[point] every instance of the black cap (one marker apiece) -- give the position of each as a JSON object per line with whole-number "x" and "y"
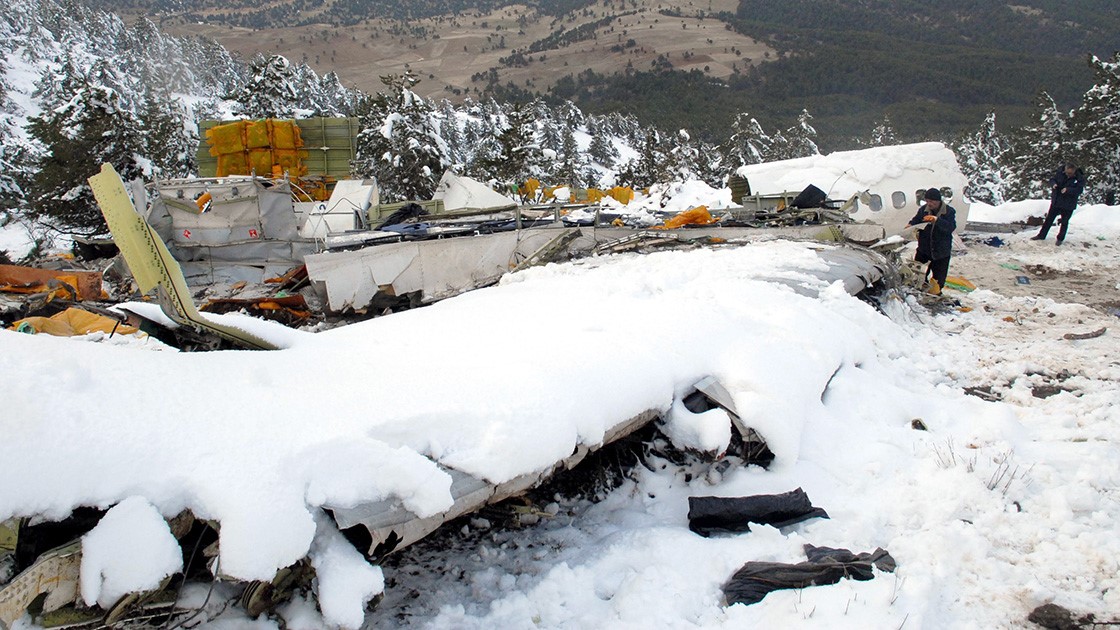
{"x": 933, "y": 194}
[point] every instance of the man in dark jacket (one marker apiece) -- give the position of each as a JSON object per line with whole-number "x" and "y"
{"x": 935, "y": 238}
{"x": 1067, "y": 185}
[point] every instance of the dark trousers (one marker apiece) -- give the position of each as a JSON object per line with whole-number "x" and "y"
{"x": 940, "y": 270}
{"x": 1054, "y": 213}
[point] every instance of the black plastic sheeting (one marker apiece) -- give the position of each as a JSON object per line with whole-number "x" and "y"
{"x": 407, "y": 211}
{"x": 825, "y": 565}
{"x": 811, "y": 197}
{"x": 713, "y": 515}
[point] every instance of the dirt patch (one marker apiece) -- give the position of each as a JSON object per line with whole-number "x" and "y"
{"x": 1083, "y": 271}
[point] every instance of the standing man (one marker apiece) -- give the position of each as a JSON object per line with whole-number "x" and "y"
{"x": 1067, "y": 185}
{"x": 935, "y": 238}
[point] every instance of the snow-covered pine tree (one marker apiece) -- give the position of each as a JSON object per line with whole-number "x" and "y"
{"x": 882, "y": 135}
{"x": 271, "y": 91}
{"x": 512, "y": 155}
{"x": 452, "y": 134}
{"x": 653, "y": 163}
{"x": 169, "y": 136}
{"x": 568, "y": 168}
{"x": 748, "y": 143}
{"x": 93, "y": 127}
{"x": 399, "y": 143}
{"x": 1036, "y": 150}
{"x": 602, "y": 149}
{"x": 795, "y": 142}
{"x": 981, "y": 156}
{"x": 338, "y": 99}
{"x": 1096, "y": 125}
{"x": 61, "y": 79}
{"x": 215, "y": 68}
{"x": 551, "y": 133}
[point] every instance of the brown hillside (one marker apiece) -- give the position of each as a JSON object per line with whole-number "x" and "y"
{"x": 446, "y": 52}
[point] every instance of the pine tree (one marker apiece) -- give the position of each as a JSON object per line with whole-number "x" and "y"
{"x": 569, "y": 167}
{"x": 1037, "y": 150}
{"x": 399, "y": 143}
{"x": 602, "y": 149}
{"x": 512, "y": 155}
{"x": 795, "y": 142}
{"x": 981, "y": 156}
{"x": 169, "y": 139}
{"x": 1097, "y": 128}
{"x": 883, "y": 134}
{"x": 92, "y": 128}
{"x": 271, "y": 90}
{"x": 748, "y": 143}
{"x": 652, "y": 165}
{"x": 338, "y": 99}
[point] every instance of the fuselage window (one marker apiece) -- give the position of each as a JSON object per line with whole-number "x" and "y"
{"x": 898, "y": 198}
{"x": 876, "y": 203}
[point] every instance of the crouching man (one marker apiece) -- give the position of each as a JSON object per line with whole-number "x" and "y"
{"x": 935, "y": 237}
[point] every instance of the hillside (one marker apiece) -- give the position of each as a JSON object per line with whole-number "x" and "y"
{"x": 934, "y": 68}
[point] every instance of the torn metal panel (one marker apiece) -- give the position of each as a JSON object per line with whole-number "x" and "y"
{"x": 249, "y": 222}
{"x": 54, "y": 574}
{"x": 441, "y": 268}
{"x": 151, "y": 263}
{"x": 392, "y": 527}
{"x": 437, "y": 269}
{"x": 346, "y": 209}
{"x": 459, "y": 192}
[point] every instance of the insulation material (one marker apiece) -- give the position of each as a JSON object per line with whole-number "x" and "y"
{"x": 71, "y": 323}
{"x": 266, "y": 147}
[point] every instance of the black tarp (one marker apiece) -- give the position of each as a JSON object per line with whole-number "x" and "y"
{"x": 825, "y": 565}
{"x": 408, "y": 211}
{"x": 710, "y": 515}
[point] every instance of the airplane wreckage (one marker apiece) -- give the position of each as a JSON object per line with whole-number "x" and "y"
{"x": 282, "y": 248}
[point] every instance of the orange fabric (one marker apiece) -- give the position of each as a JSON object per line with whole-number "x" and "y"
{"x": 622, "y": 194}
{"x": 696, "y": 216}
{"x": 73, "y": 322}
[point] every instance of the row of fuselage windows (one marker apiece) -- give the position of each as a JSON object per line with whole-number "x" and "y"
{"x": 899, "y": 200}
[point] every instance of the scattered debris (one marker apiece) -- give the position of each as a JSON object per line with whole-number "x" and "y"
{"x": 290, "y": 310}
{"x": 1054, "y": 617}
{"x": 825, "y": 565}
{"x": 1089, "y": 335}
{"x": 152, "y": 265}
{"x": 695, "y": 216}
{"x": 1022, "y": 279}
{"x": 67, "y": 284}
{"x": 918, "y": 425}
{"x": 983, "y": 393}
{"x": 716, "y": 515}
{"x": 959, "y": 283}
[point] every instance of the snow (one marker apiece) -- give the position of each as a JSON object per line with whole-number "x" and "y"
{"x": 16, "y": 239}
{"x": 130, "y": 549}
{"x": 1096, "y": 218}
{"x": 997, "y": 508}
{"x": 345, "y": 580}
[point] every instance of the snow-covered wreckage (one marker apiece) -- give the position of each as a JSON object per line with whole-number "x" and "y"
{"x": 348, "y": 465}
